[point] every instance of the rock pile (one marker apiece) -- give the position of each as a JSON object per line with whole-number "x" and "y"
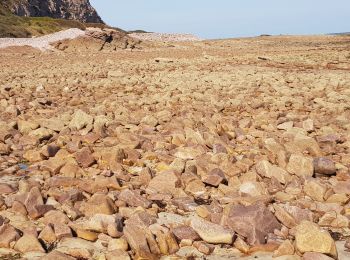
{"x": 99, "y": 39}
{"x": 182, "y": 153}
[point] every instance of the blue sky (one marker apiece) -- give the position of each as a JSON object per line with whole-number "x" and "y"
{"x": 228, "y": 18}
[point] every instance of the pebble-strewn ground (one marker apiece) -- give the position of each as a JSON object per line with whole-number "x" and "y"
{"x": 210, "y": 150}
{"x": 166, "y": 37}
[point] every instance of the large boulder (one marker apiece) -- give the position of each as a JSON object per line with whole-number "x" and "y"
{"x": 309, "y": 237}
{"x": 253, "y": 222}
{"x": 8, "y": 234}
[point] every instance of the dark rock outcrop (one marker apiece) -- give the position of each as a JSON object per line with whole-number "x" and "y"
{"x": 80, "y": 10}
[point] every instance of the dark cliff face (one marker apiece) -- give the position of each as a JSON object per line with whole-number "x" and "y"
{"x": 80, "y": 10}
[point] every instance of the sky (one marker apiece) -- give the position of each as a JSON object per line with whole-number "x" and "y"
{"x": 214, "y": 19}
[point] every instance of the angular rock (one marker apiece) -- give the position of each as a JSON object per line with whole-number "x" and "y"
{"x": 285, "y": 125}
{"x": 134, "y": 199}
{"x": 165, "y": 182}
{"x": 53, "y": 165}
{"x": 54, "y": 124}
{"x": 253, "y": 222}
{"x": 170, "y": 219}
{"x": 210, "y": 232}
{"x": 203, "y": 247}
{"x": 118, "y": 244}
{"x": 310, "y": 238}
{"x": 97, "y": 33}
{"x": 203, "y": 211}
{"x": 284, "y": 217}
{"x": 266, "y": 169}
{"x": 196, "y": 188}
{"x": 62, "y": 231}
{"x": 324, "y": 166}
{"x": 185, "y": 232}
{"x": 241, "y": 245}
{"x": 333, "y": 219}
{"x": 41, "y": 134}
{"x": 86, "y": 234}
{"x": 80, "y": 120}
{"x": 253, "y": 189}
{"x": 8, "y": 234}
{"x": 301, "y": 144}
{"x": 185, "y": 203}
{"x": 214, "y": 178}
{"x": 99, "y": 223}
{"x": 77, "y": 247}
{"x": 84, "y": 158}
{"x": 98, "y": 204}
{"x": 308, "y": 125}
{"x": 315, "y": 190}
{"x": 286, "y": 248}
{"x": 71, "y": 170}
{"x": 25, "y": 127}
{"x": 55, "y": 217}
{"x": 28, "y": 243}
{"x": 109, "y": 158}
{"x": 189, "y": 153}
{"x": 48, "y": 235}
{"x": 290, "y": 216}
{"x": 34, "y": 204}
{"x": 166, "y": 241}
{"x": 300, "y": 165}
{"x": 33, "y": 156}
{"x": 141, "y": 240}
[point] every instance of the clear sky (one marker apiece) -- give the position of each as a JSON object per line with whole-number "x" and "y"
{"x": 228, "y": 18}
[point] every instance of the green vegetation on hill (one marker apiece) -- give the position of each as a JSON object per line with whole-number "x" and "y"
{"x": 138, "y": 31}
{"x": 16, "y": 26}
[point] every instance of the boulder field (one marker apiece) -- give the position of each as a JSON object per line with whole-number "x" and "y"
{"x": 187, "y": 150}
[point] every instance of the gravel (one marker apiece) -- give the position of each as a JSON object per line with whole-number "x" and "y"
{"x": 166, "y": 37}
{"x": 43, "y": 42}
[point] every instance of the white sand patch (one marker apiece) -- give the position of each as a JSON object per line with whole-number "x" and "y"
{"x": 43, "y": 42}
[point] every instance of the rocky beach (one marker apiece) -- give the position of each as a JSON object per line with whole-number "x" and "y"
{"x": 114, "y": 148}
